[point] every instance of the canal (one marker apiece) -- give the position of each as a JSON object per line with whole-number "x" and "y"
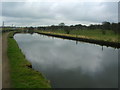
{"x": 70, "y": 64}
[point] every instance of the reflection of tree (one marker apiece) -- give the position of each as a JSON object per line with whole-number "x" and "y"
{"x": 31, "y": 30}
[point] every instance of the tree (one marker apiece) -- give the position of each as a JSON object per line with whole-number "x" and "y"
{"x": 106, "y": 25}
{"x": 118, "y": 28}
{"x": 114, "y": 27}
{"x": 61, "y": 24}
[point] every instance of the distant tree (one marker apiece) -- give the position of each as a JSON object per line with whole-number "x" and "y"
{"x": 52, "y": 25}
{"x": 31, "y": 28}
{"x": 61, "y": 24}
{"x": 106, "y": 25}
{"x": 78, "y": 26}
{"x": 91, "y": 26}
{"x": 71, "y": 26}
{"x": 114, "y": 27}
{"x": 118, "y": 28}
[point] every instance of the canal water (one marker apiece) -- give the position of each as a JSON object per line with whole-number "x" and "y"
{"x": 71, "y": 64}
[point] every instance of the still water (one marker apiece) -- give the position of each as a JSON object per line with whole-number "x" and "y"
{"x": 68, "y": 64}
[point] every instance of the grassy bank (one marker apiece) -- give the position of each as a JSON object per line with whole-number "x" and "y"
{"x": 21, "y": 75}
{"x": 109, "y": 35}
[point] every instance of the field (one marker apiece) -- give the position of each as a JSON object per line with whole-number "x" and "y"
{"x": 109, "y": 35}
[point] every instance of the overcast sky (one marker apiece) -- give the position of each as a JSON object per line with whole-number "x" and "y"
{"x": 44, "y": 12}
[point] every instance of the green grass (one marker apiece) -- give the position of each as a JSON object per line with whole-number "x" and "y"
{"x": 97, "y": 34}
{"x": 21, "y": 75}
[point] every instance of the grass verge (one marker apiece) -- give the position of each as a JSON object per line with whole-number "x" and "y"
{"x": 110, "y": 36}
{"x": 21, "y": 75}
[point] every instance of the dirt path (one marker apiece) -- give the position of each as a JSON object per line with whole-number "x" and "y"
{"x": 5, "y": 63}
{"x": 0, "y": 61}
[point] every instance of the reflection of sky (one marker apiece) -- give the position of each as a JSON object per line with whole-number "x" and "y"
{"x": 57, "y": 56}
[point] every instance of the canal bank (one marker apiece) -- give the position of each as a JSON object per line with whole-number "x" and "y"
{"x": 84, "y": 39}
{"x": 21, "y": 73}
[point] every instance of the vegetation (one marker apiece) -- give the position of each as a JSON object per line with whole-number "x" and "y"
{"x": 94, "y": 34}
{"x": 23, "y": 76}
{"x": 89, "y": 34}
{"x": 106, "y": 31}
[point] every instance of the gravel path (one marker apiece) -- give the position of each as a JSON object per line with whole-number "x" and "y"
{"x": 5, "y": 63}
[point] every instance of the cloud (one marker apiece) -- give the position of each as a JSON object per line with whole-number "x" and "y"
{"x": 60, "y": 0}
{"x": 47, "y": 13}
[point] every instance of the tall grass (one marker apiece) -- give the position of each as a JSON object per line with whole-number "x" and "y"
{"x": 90, "y": 34}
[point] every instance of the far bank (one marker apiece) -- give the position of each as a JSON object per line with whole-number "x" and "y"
{"x": 100, "y": 41}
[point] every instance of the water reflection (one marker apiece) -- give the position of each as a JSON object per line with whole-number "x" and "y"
{"x": 66, "y": 64}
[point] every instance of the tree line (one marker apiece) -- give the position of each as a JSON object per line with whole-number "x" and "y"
{"x": 115, "y": 27}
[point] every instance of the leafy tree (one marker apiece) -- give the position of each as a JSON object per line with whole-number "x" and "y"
{"x": 61, "y": 24}
{"x": 106, "y": 25}
{"x": 114, "y": 27}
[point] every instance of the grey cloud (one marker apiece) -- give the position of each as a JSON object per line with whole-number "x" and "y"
{"x": 94, "y": 12}
{"x": 28, "y": 10}
{"x": 47, "y": 13}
